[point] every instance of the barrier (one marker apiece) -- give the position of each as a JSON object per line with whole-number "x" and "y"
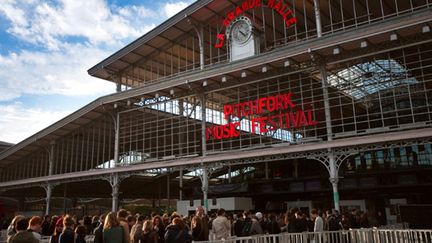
{"x": 345, "y": 236}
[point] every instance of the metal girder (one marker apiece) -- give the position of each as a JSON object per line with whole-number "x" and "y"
{"x": 339, "y": 146}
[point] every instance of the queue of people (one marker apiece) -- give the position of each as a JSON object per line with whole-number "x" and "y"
{"x": 123, "y": 227}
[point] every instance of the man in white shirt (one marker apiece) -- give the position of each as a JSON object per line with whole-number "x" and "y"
{"x": 319, "y": 223}
{"x": 221, "y": 226}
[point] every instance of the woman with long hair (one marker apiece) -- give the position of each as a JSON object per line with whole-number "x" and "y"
{"x": 57, "y": 230}
{"x": 149, "y": 235}
{"x": 197, "y": 229}
{"x": 11, "y": 230}
{"x": 112, "y": 231}
{"x": 159, "y": 227}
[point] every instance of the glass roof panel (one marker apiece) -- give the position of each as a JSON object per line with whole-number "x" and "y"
{"x": 367, "y": 78}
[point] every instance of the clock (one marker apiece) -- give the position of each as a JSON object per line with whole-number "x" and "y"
{"x": 241, "y": 30}
{"x": 242, "y": 38}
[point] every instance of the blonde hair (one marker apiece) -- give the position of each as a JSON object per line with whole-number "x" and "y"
{"x": 111, "y": 221}
{"x": 147, "y": 226}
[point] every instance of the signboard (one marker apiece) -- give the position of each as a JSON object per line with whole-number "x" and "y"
{"x": 277, "y": 5}
{"x": 289, "y": 116}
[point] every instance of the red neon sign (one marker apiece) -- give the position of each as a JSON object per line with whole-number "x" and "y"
{"x": 278, "y": 5}
{"x": 294, "y": 118}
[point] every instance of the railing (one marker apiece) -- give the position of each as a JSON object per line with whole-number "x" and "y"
{"x": 346, "y": 236}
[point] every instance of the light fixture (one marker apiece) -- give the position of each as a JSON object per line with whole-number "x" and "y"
{"x": 264, "y": 69}
{"x": 363, "y": 44}
{"x": 142, "y": 99}
{"x": 157, "y": 95}
{"x": 172, "y": 92}
{"x": 393, "y": 36}
{"x": 336, "y": 51}
{"x": 243, "y": 74}
{"x": 224, "y": 79}
{"x": 204, "y": 83}
{"x": 115, "y": 105}
{"x": 286, "y": 63}
{"x": 425, "y": 29}
{"x": 128, "y": 102}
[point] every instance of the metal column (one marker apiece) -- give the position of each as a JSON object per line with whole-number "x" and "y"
{"x": 181, "y": 185}
{"x": 48, "y": 190}
{"x": 204, "y": 178}
{"x": 317, "y": 18}
{"x": 333, "y": 171}
{"x": 114, "y": 180}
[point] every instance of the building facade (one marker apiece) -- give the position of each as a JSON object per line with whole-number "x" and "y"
{"x": 291, "y": 103}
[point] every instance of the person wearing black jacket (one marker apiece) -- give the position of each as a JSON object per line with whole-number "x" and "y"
{"x": 68, "y": 235}
{"x": 177, "y": 232}
{"x": 98, "y": 231}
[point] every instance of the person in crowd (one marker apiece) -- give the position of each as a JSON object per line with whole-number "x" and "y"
{"x": 149, "y": 235}
{"x": 273, "y": 225}
{"x": 87, "y": 223}
{"x": 98, "y": 232}
{"x": 121, "y": 216}
{"x": 95, "y": 222}
{"x": 345, "y": 221}
{"x": 221, "y": 227}
{"x": 47, "y": 230}
{"x": 354, "y": 219}
{"x": 177, "y": 232}
{"x": 159, "y": 228}
{"x": 199, "y": 211}
{"x": 256, "y": 228}
{"x": 54, "y": 219}
{"x": 68, "y": 235}
{"x": 57, "y": 230}
{"x": 237, "y": 225}
{"x": 247, "y": 224}
{"x": 22, "y": 235}
{"x": 331, "y": 223}
{"x": 302, "y": 225}
{"x": 364, "y": 220}
{"x": 381, "y": 219}
{"x": 319, "y": 223}
{"x": 112, "y": 231}
{"x": 80, "y": 232}
{"x": 35, "y": 225}
{"x": 197, "y": 229}
{"x": 131, "y": 220}
{"x": 11, "y": 230}
{"x": 137, "y": 229}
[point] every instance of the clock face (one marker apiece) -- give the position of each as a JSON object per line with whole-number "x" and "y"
{"x": 241, "y": 31}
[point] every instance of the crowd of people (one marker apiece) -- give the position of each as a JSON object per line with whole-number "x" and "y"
{"x": 123, "y": 227}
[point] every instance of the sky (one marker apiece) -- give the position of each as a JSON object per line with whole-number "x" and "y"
{"x": 47, "y": 46}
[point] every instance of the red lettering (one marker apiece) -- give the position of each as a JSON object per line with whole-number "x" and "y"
{"x": 302, "y": 119}
{"x": 251, "y": 4}
{"x": 220, "y": 40}
{"x": 262, "y": 125}
{"x": 233, "y": 131}
{"x": 254, "y": 124}
{"x": 227, "y": 111}
{"x": 294, "y": 119}
{"x": 277, "y": 7}
{"x": 245, "y": 6}
{"x": 311, "y": 121}
{"x": 226, "y": 22}
{"x": 281, "y": 12}
{"x": 231, "y": 15}
{"x": 261, "y": 104}
{"x": 285, "y": 15}
{"x": 271, "y": 103}
{"x": 238, "y": 11}
{"x": 270, "y": 3}
{"x": 257, "y": 3}
{"x": 290, "y": 21}
{"x": 286, "y": 99}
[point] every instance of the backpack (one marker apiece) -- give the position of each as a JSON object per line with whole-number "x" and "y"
{"x": 246, "y": 228}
